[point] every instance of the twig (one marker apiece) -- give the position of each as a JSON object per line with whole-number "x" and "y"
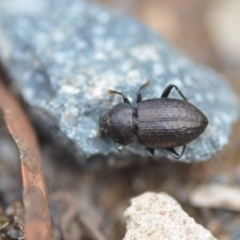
{"x": 37, "y": 220}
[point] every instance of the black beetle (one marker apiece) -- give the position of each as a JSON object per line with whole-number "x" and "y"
{"x": 157, "y": 123}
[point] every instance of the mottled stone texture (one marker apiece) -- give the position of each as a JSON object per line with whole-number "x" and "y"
{"x": 63, "y": 56}
{"x": 153, "y": 216}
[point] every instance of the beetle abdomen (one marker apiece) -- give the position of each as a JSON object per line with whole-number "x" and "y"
{"x": 167, "y": 122}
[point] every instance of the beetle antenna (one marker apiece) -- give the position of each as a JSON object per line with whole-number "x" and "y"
{"x": 139, "y": 95}
{"x": 147, "y": 83}
{"x": 125, "y": 99}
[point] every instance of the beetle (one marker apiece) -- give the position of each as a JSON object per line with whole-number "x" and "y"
{"x": 157, "y": 123}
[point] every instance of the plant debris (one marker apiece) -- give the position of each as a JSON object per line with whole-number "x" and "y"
{"x": 12, "y": 222}
{"x": 37, "y": 220}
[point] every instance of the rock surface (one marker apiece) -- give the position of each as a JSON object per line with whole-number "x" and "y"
{"x": 153, "y": 216}
{"x": 64, "y": 61}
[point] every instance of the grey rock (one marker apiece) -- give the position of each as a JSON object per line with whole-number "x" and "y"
{"x": 154, "y": 216}
{"x": 63, "y": 56}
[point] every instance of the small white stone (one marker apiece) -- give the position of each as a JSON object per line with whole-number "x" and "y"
{"x": 158, "y": 216}
{"x": 216, "y": 196}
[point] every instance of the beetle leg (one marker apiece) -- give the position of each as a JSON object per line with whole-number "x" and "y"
{"x": 125, "y": 99}
{"x": 174, "y": 153}
{"x": 150, "y": 151}
{"x": 168, "y": 90}
{"x": 139, "y": 95}
{"x": 119, "y": 146}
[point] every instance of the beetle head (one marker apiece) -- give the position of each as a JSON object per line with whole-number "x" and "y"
{"x": 118, "y": 123}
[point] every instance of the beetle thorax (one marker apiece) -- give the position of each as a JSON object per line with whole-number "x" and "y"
{"x": 118, "y": 123}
